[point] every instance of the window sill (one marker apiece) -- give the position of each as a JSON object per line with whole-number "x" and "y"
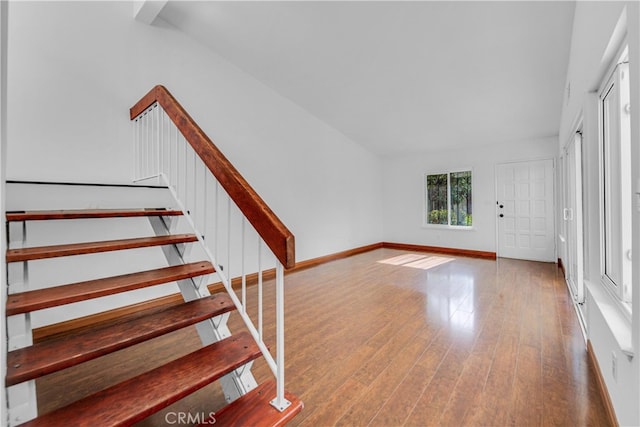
{"x": 615, "y": 316}
{"x": 447, "y": 227}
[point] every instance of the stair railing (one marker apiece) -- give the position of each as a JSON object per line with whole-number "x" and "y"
{"x": 240, "y": 233}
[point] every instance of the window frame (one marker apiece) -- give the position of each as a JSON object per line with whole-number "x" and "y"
{"x": 610, "y": 82}
{"x": 425, "y": 203}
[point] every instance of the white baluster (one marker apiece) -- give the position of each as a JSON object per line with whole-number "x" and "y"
{"x": 136, "y": 156}
{"x": 260, "y": 288}
{"x": 244, "y": 273}
{"x": 280, "y": 403}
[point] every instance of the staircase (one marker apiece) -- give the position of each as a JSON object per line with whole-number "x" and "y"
{"x": 145, "y": 394}
{"x": 179, "y": 232}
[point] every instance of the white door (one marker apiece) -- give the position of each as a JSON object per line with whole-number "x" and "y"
{"x": 525, "y": 210}
{"x": 572, "y": 215}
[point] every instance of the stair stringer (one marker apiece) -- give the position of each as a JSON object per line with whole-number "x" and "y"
{"x": 240, "y": 381}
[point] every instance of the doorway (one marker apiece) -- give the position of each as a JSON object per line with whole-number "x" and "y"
{"x": 524, "y": 210}
{"x": 572, "y": 216}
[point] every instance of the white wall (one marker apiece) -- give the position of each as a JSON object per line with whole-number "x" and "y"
{"x": 4, "y": 416}
{"x": 75, "y": 68}
{"x": 404, "y": 192}
{"x": 595, "y": 38}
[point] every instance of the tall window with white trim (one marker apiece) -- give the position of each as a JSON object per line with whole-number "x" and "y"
{"x": 615, "y": 179}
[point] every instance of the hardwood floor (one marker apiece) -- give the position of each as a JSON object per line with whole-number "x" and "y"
{"x": 464, "y": 342}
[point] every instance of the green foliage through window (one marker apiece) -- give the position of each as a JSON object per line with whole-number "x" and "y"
{"x": 449, "y": 199}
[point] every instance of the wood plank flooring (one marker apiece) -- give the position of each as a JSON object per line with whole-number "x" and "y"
{"x": 466, "y": 342}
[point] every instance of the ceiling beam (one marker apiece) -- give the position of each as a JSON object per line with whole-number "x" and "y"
{"x": 146, "y": 11}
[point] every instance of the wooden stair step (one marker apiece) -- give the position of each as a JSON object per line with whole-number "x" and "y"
{"x": 254, "y": 409}
{"x": 141, "y": 396}
{"x": 42, "y": 252}
{"x": 50, "y": 356}
{"x": 88, "y": 213}
{"x": 39, "y": 299}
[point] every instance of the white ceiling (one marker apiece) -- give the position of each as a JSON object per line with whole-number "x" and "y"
{"x": 401, "y": 76}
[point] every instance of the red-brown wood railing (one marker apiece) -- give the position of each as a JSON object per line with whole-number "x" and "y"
{"x": 274, "y": 233}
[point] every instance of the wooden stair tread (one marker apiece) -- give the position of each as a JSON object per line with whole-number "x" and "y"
{"x": 88, "y": 213}
{"x": 141, "y": 396}
{"x": 42, "y": 252}
{"x": 39, "y": 299}
{"x": 45, "y": 358}
{"x": 254, "y": 409}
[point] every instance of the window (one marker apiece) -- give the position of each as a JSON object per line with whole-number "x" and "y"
{"x": 448, "y": 199}
{"x": 615, "y": 179}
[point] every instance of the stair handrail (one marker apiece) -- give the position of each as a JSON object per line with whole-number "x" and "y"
{"x": 154, "y": 158}
{"x": 272, "y": 230}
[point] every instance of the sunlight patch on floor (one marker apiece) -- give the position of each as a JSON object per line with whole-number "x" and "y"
{"x": 402, "y": 259}
{"x": 422, "y": 262}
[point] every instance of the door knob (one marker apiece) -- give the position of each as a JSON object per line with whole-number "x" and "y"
{"x": 501, "y": 215}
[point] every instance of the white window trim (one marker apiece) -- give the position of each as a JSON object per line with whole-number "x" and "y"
{"x": 622, "y": 301}
{"x": 425, "y": 201}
